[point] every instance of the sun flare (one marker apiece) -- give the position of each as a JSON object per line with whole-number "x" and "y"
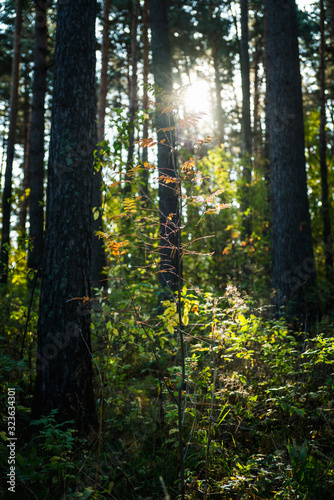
{"x": 198, "y": 98}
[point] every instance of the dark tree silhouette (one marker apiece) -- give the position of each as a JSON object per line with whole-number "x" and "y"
{"x": 64, "y": 370}
{"x": 293, "y": 267}
{"x": 7, "y": 192}
{"x": 168, "y": 200}
{"x": 36, "y": 214}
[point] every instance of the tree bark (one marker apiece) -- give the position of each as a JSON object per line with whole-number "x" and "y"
{"x": 293, "y": 267}
{"x": 26, "y": 162}
{"x": 145, "y": 175}
{"x": 322, "y": 150}
{"x": 98, "y": 275}
{"x": 246, "y": 130}
{"x": 218, "y": 91}
{"x": 257, "y": 132}
{"x": 7, "y": 192}
{"x": 168, "y": 199}
{"x": 133, "y": 89}
{"x": 64, "y": 368}
{"x": 36, "y": 212}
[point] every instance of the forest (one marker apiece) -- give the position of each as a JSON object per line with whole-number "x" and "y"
{"x": 166, "y": 263}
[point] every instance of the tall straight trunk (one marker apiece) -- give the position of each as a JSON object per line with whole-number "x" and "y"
{"x": 36, "y": 211}
{"x": 133, "y": 88}
{"x": 64, "y": 367}
{"x": 246, "y": 131}
{"x": 218, "y": 91}
{"x": 145, "y": 91}
{"x": 103, "y": 88}
{"x": 3, "y": 146}
{"x": 293, "y": 266}
{"x": 257, "y": 132}
{"x": 265, "y": 153}
{"x": 98, "y": 276}
{"x": 322, "y": 150}
{"x": 26, "y": 163}
{"x": 7, "y": 192}
{"x": 168, "y": 200}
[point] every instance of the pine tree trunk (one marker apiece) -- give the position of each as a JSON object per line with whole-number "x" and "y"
{"x": 322, "y": 150}
{"x": 36, "y": 212}
{"x": 98, "y": 275}
{"x": 133, "y": 91}
{"x": 64, "y": 367}
{"x": 293, "y": 266}
{"x": 7, "y": 192}
{"x": 218, "y": 90}
{"x": 257, "y": 132}
{"x": 246, "y": 130}
{"x": 26, "y": 163}
{"x": 168, "y": 200}
{"x": 145, "y": 175}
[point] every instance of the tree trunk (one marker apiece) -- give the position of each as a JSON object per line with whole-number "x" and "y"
{"x": 133, "y": 91}
{"x": 246, "y": 130}
{"x": 98, "y": 275}
{"x": 168, "y": 199}
{"x": 64, "y": 368}
{"x": 7, "y": 192}
{"x": 218, "y": 91}
{"x": 322, "y": 150}
{"x": 257, "y": 132}
{"x": 145, "y": 92}
{"x": 26, "y": 162}
{"x": 293, "y": 266}
{"x": 36, "y": 211}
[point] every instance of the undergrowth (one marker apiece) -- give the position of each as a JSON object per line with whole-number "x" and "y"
{"x": 202, "y": 389}
{"x": 258, "y": 412}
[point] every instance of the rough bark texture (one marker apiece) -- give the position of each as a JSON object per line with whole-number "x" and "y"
{"x": 36, "y": 213}
{"x": 168, "y": 199}
{"x": 64, "y": 369}
{"x": 322, "y": 150}
{"x": 293, "y": 267}
{"x": 98, "y": 276}
{"x": 7, "y": 192}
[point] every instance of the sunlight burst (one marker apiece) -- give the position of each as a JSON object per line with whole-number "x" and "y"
{"x": 198, "y": 98}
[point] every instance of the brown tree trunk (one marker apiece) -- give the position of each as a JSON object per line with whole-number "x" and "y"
{"x": 7, "y": 192}
{"x": 220, "y": 132}
{"x": 168, "y": 200}
{"x": 36, "y": 212}
{"x": 103, "y": 88}
{"x": 322, "y": 150}
{"x": 133, "y": 91}
{"x": 246, "y": 130}
{"x": 265, "y": 153}
{"x": 26, "y": 164}
{"x": 146, "y": 48}
{"x": 64, "y": 365}
{"x": 257, "y": 132}
{"x": 293, "y": 266}
{"x": 98, "y": 275}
